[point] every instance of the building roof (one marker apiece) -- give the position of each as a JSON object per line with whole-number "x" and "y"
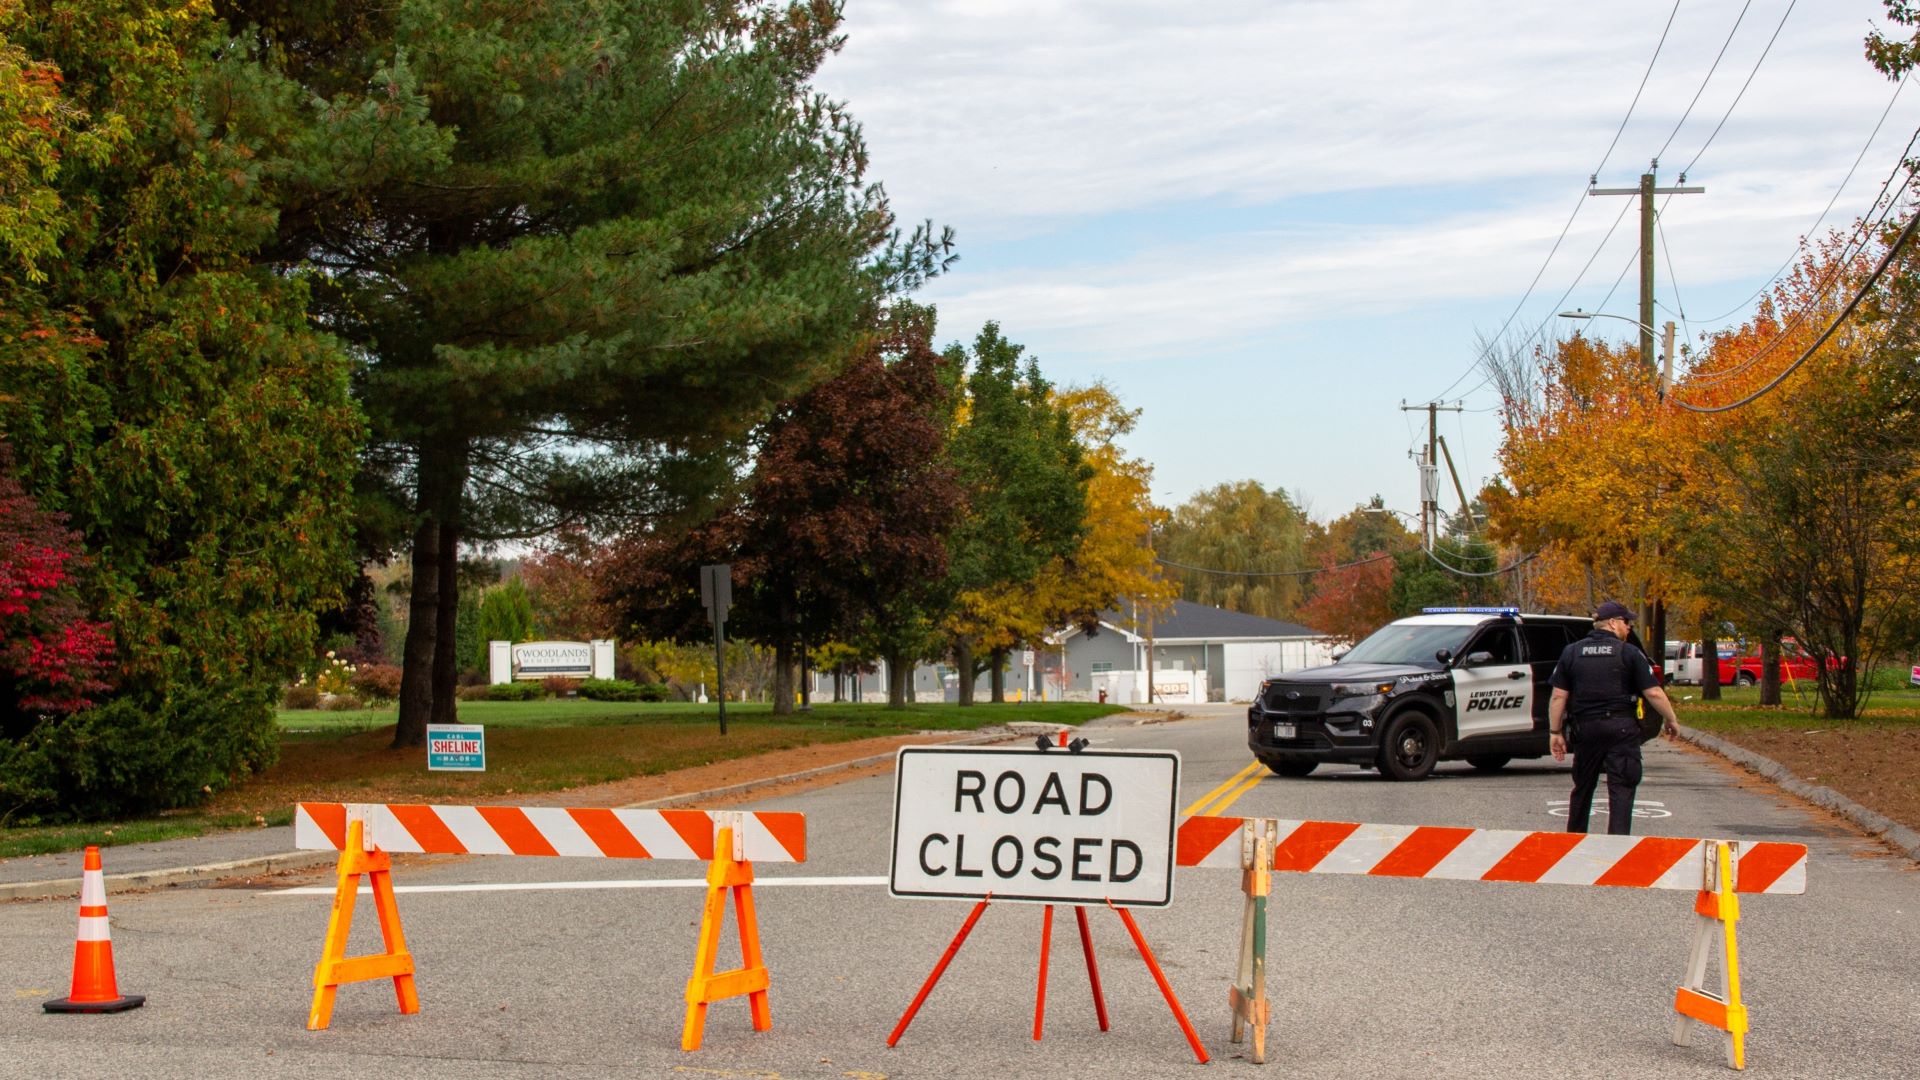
{"x": 1201, "y": 622}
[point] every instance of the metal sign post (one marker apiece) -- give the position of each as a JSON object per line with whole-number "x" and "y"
{"x": 716, "y": 595}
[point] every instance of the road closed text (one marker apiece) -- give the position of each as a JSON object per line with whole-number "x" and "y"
{"x": 1028, "y": 825}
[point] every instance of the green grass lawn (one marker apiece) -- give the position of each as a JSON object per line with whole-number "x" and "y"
{"x": 532, "y": 746}
{"x": 581, "y": 713}
{"x": 1739, "y": 709}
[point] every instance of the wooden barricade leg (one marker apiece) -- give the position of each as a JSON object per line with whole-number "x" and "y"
{"x": 728, "y": 873}
{"x": 335, "y": 967}
{"x": 1248, "y": 995}
{"x": 1716, "y": 911}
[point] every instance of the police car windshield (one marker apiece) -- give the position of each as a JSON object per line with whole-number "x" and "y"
{"x": 1407, "y": 643}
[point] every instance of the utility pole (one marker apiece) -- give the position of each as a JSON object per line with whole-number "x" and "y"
{"x": 1430, "y": 471}
{"x": 1657, "y": 616}
{"x": 1646, "y": 191}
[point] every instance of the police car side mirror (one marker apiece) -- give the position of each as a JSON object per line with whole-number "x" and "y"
{"x": 1477, "y": 658}
{"x": 1445, "y": 656}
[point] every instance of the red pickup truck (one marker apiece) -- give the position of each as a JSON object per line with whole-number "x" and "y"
{"x": 1684, "y": 664}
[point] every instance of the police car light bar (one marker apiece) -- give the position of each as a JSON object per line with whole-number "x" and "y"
{"x": 1508, "y": 611}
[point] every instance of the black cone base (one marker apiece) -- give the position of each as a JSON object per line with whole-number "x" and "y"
{"x": 111, "y": 1005}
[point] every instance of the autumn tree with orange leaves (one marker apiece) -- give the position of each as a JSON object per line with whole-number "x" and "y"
{"x": 1774, "y": 486}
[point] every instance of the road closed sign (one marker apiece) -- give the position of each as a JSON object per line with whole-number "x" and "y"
{"x": 1047, "y": 827}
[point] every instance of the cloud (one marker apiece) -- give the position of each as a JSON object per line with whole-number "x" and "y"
{"x": 998, "y": 117}
{"x": 1328, "y": 200}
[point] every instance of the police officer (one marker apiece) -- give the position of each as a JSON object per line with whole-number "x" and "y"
{"x": 1596, "y": 681}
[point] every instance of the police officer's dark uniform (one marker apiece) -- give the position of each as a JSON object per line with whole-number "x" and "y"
{"x": 1604, "y": 677}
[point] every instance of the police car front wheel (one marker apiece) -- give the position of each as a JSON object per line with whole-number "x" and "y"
{"x": 1410, "y": 748}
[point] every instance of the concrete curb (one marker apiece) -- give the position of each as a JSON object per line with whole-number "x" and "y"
{"x": 1878, "y": 825}
{"x": 301, "y": 860}
{"x": 205, "y": 873}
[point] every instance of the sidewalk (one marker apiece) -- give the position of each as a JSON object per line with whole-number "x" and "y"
{"x": 201, "y": 859}
{"x": 189, "y": 858}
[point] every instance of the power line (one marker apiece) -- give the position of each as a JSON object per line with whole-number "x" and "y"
{"x": 1660, "y": 213}
{"x": 1828, "y": 209}
{"x": 1743, "y": 86}
{"x": 1854, "y": 246}
{"x": 1560, "y": 304}
{"x": 1865, "y": 287}
{"x": 1538, "y": 274}
{"x": 1644, "y": 76}
{"x": 1507, "y": 569}
{"x": 1662, "y": 152}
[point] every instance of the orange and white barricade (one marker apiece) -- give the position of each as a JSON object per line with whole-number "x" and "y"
{"x": 1716, "y": 869}
{"x": 730, "y": 841}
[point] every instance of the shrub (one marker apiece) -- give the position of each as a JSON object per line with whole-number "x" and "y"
{"x": 654, "y": 691}
{"x": 335, "y": 676}
{"x": 377, "y": 682}
{"x": 53, "y": 659}
{"x": 1885, "y": 677}
{"x": 138, "y": 753}
{"x": 610, "y": 690}
{"x": 302, "y": 696}
{"x": 559, "y": 685}
{"x": 514, "y": 691}
{"x": 474, "y": 693}
{"x": 344, "y": 703}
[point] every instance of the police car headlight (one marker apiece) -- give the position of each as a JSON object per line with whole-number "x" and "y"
{"x": 1369, "y": 689}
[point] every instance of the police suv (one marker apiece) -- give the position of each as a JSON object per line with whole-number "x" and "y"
{"x": 1445, "y": 685}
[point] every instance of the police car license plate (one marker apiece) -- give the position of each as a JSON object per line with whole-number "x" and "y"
{"x": 1283, "y": 731}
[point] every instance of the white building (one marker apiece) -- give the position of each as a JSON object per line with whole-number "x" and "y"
{"x": 1200, "y": 653}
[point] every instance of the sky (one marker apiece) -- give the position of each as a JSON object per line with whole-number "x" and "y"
{"x": 1269, "y": 225}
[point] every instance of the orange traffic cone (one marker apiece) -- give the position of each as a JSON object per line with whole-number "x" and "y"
{"x": 94, "y": 990}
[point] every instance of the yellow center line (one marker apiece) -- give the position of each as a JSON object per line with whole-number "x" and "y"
{"x": 1234, "y": 795}
{"x": 1236, "y": 778}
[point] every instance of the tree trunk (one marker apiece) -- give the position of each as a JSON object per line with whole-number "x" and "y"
{"x": 963, "y": 664}
{"x": 783, "y": 676}
{"x": 1709, "y": 668}
{"x": 1839, "y": 688}
{"x": 999, "y": 678}
{"x": 423, "y": 610}
{"x": 434, "y": 606}
{"x": 1770, "y": 670}
{"x": 446, "y": 659}
{"x": 806, "y": 675}
{"x": 899, "y": 672}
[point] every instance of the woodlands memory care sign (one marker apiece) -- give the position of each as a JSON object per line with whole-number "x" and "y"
{"x": 1048, "y": 827}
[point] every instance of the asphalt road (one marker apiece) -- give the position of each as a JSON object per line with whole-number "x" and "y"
{"x": 1369, "y": 978}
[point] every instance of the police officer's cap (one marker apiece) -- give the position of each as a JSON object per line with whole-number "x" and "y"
{"x": 1612, "y": 609}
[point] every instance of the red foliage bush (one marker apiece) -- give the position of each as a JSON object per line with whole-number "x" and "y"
{"x": 52, "y": 658}
{"x": 559, "y": 685}
{"x": 377, "y": 682}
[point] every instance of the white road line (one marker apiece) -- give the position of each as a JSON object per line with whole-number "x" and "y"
{"x": 529, "y": 886}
